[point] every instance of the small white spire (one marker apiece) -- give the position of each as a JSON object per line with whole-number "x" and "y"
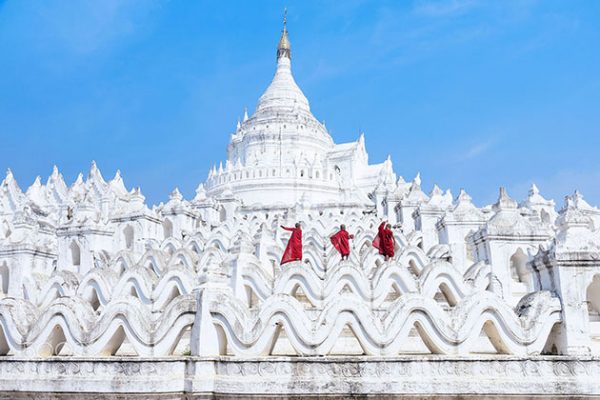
{"x": 463, "y": 196}
{"x": 417, "y": 180}
{"x": 448, "y": 196}
{"x": 95, "y": 174}
{"x": 505, "y": 201}
{"x": 200, "y": 193}
{"x": 137, "y": 192}
{"x": 176, "y": 194}
{"x": 533, "y": 190}
{"x": 436, "y": 191}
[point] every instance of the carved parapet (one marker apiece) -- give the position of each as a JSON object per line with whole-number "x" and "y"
{"x": 253, "y": 333}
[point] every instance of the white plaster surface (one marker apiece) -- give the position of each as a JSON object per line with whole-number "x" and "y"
{"x": 408, "y": 375}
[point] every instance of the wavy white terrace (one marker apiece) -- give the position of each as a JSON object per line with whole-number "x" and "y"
{"x": 89, "y": 270}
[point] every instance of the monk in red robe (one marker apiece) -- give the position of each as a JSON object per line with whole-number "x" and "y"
{"x": 293, "y": 251}
{"x": 384, "y": 241}
{"x": 341, "y": 242}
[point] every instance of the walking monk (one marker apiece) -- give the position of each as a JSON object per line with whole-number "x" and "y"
{"x": 293, "y": 251}
{"x": 384, "y": 241}
{"x": 341, "y": 241}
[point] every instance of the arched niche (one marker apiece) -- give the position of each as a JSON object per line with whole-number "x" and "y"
{"x": 519, "y": 271}
{"x": 4, "y": 277}
{"x": 167, "y": 227}
{"x": 75, "y": 252}
{"x": 128, "y": 236}
{"x": 5, "y": 229}
{"x": 593, "y": 305}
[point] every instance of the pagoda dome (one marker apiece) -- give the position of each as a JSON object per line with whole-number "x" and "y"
{"x": 283, "y": 108}
{"x": 283, "y": 96}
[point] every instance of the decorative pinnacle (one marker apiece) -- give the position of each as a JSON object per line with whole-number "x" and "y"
{"x": 284, "y": 49}
{"x": 176, "y": 194}
{"x": 533, "y": 190}
{"x": 463, "y": 196}
{"x": 504, "y": 201}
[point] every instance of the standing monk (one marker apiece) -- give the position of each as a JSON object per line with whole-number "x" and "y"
{"x": 384, "y": 241}
{"x": 341, "y": 241}
{"x": 293, "y": 251}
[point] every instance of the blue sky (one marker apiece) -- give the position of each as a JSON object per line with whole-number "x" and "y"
{"x": 471, "y": 93}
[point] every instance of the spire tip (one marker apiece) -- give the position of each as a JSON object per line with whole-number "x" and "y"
{"x": 284, "y": 48}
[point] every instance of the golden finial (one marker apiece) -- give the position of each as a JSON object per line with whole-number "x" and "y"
{"x": 284, "y": 48}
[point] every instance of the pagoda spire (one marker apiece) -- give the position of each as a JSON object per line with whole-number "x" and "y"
{"x": 284, "y": 48}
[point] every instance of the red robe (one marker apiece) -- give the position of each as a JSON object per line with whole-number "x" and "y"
{"x": 341, "y": 242}
{"x": 384, "y": 241}
{"x": 293, "y": 251}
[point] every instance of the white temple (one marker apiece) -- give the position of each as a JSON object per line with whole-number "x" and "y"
{"x": 100, "y": 293}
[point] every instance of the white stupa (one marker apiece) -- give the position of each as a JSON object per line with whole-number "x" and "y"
{"x": 283, "y": 155}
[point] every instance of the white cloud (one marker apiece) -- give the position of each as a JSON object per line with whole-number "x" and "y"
{"x": 563, "y": 183}
{"x": 477, "y": 149}
{"x": 77, "y": 27}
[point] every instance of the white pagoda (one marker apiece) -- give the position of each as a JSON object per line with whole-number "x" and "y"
{"x": 282, "y": 156}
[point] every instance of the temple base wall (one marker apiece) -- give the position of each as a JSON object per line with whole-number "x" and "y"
{"x": 190, "y": 377}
